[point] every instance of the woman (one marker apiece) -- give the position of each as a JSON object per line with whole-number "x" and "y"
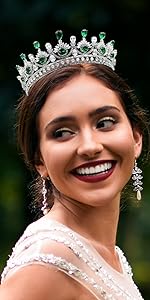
{"x": 80, "y": 129}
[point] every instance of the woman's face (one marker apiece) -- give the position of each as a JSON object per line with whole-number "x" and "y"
{"x": 87, "y": 144}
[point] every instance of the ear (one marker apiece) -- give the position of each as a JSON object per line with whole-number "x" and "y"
{"x": 40, "y": 166}
{"x": 138, "y": 141}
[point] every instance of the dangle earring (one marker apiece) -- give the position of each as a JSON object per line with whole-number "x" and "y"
{"x": 44, "y": 208}
{"x": 137, "y": 183}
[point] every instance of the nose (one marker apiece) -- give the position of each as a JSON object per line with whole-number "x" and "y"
{"x": 90, "y": 145}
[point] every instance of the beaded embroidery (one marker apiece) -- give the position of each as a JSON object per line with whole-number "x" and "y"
{"x": 62, "y": 234}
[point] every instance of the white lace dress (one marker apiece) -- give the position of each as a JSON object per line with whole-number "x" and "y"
{"x": 50, "y": 243}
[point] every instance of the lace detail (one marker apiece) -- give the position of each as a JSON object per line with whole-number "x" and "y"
{"x": 63, "y": 265}
{"x": 102, "y": 282}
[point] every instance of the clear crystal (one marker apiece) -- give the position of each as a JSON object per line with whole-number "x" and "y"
{"x": 48, "y": 47}
{"x": 94, "y": 40}
{"x": 18, "y": 68}
{"x": 94, "y": 52}
{"x": 112, "y": 42}
{"x": 52, "y": 58}
{"x": 115, "y": 53}
{"x": 31, "y": 57}
{"x": 74, "y": 52}
{"x": 73, "y": 39}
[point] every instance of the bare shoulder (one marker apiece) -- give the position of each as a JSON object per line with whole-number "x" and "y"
{"x": 37, "y": 282}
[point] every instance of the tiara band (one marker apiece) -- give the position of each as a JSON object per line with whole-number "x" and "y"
{"x": 64, "y": 54}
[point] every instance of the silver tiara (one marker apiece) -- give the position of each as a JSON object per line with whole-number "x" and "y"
{"x": 64, "y": 54}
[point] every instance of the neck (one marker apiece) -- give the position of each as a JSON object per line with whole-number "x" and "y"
{"x": 97, "y": 224}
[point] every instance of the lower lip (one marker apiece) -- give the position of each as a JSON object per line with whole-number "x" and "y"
{"x": 95, "y": 178}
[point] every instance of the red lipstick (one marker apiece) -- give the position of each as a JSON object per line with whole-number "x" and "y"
{"x": 97, "y": 177}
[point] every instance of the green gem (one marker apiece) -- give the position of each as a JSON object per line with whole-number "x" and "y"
{"x": 84, "y": 49}
{"x": 62, "y": 51}
{"x": 28, "y": 70}
{"x": 22, "y": 56}
{"x": 102, "y": 50}
{"x": 84, "y": 33}
{"x": 102, "y": 35}
{"x": 59, "y": 34}
{"x": 42, "y": 60}
{"x": 36, "y": 45}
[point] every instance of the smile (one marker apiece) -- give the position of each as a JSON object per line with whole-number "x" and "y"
{"x": 94, "y": 171}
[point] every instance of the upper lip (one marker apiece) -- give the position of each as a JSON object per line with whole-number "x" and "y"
{"x": 94, "y": 163}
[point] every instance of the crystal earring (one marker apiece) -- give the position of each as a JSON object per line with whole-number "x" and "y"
{"x": 137, "y": 183}
{"x": 44, "y": 208}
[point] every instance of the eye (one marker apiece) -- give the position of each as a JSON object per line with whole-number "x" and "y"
{"x": 106, "y": 123}
{"x": 62, "y": 133}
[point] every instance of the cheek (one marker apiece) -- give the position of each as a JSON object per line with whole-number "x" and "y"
{"x": 56, "y": 158}
{"x": 123, "y": 148}
{"x": 124, "y": 144}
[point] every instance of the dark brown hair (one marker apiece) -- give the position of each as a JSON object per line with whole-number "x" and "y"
{"x": 29, "y": 107}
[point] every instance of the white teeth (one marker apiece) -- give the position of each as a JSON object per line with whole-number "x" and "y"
{"x": 94, "y": 170}
{"x": 97, "y": 169}
{"x": 87, "y": 171}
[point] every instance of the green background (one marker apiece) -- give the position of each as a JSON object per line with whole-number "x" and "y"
{"x": 22, "y": 22}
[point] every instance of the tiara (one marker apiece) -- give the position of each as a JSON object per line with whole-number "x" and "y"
{"x": 64, "y": 54}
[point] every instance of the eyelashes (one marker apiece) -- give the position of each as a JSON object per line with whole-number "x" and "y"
{"x": 62, "y": 133}
{"x": 103, "y": 124}
{"x": 106, "y": 122}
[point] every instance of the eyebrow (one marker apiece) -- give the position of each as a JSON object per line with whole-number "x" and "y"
{"x": 70, "y": 118}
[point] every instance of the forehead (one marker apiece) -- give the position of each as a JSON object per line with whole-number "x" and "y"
{"x": 81, "y": 94}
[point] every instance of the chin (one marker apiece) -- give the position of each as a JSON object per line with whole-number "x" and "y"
{"x": 98, "y": 199}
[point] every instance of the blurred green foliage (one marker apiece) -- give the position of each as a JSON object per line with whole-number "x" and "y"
{"x": 22, "y": 22}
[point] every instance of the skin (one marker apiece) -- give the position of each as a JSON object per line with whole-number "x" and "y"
{"x": 91, "y": 209}
{"x": 87, "y": 139}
